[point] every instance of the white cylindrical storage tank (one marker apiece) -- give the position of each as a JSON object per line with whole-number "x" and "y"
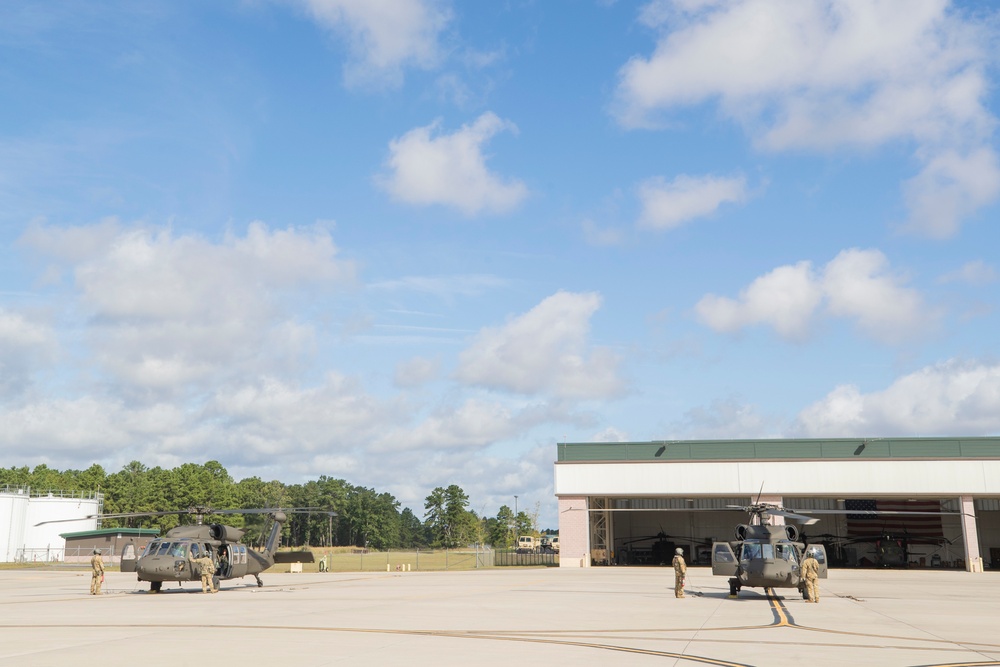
{"x": 43, "y": 543}
{"x": 13, "y": 515}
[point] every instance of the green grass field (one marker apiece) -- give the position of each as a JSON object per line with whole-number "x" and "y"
{"x": 345, "y": 559}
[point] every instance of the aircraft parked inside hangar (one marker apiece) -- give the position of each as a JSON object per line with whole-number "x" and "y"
{"x": 767, "y": 556}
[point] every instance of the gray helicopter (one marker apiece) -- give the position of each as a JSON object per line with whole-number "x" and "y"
{"x": 766, "y": 556}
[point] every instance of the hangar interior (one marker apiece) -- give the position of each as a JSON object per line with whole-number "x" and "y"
{"x": 645, "y": 531}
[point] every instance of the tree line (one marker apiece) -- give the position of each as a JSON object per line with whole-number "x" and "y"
{"x": 338, "y": 513}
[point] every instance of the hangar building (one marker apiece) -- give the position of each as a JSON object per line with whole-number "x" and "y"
{"x": 630, "y": 503}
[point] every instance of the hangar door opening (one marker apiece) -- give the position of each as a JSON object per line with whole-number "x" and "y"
{"x": 646, "y": 531}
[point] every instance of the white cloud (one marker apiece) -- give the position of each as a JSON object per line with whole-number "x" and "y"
{"x": 24, "y": 346}
{"x": 669, "y": 205}
{"x": 450, "y": 169}
{"x": 951, "y": 398}
{"x": 384, "y": 36}
{"x": 610, "y": 434}
{"x": 823, "y": 75}
{"x": 856, "y": 285}
{"x": 601, "y": 237}
{"x": 976, "y": 272}
{"x": 544, "y": 350}
{"x": 472, "y": 425}
{"x": 726, "y": 419}
{"x": 415, "y": 372}
{"x": 444, "y": 287}
{"x": 785, "y": 298}
{"x": 169, "y": 309}
{"x": 949, "y": 188}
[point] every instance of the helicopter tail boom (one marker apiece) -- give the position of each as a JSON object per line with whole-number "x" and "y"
{"x": 274, "y": 537}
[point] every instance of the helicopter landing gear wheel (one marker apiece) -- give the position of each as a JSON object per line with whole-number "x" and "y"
{"x": 215, "y": 583}
{"x": 260, "y": 584}
{"x": 155, "y": 586}
{"x": 805, "y": 594}
{"x": 734, "y": 588}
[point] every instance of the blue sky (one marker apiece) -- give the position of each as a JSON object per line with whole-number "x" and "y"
{"x": 419, "y": 242}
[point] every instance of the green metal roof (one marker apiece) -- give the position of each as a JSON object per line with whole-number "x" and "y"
{"x": 852, "y": 449}
{"x": 136, "y": 532}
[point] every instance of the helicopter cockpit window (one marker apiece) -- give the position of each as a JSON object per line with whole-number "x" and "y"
{"x": 723, "y": 554}
{"x": 750, "y": 551}
{"x": 164, "y": 547}
{"x": 195, "y": 551}
{"x": 767, "y": 551}
{"x": 178, "y": 550}
{"x": 151, "y": 548}
{"x": 786, "y": 552}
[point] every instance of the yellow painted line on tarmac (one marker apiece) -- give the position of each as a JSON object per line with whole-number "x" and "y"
{"x": 781, "y": 617}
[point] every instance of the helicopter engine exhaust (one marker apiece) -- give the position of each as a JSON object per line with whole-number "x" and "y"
{"x": 226, "y": 533}
{"x": 741, "y": 532}
{"x": 792, "y": 532}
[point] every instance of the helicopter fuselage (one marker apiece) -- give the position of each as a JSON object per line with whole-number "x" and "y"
{"x": 172, "y": 557}
{"x": 764, "y": 557}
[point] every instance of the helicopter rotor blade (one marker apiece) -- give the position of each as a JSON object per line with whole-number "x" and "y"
{"x": 198, "y": 511}
{"x": 807, "y": 520}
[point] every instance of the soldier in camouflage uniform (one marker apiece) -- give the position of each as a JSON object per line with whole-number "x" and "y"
{"x": 97, "y": 576}
{"x": 810, "y": 576}
{"x": 207, "y": 570}
{"x": 680, "y": 570}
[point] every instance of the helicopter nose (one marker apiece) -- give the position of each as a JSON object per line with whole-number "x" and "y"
{"x": 160, "y": 567}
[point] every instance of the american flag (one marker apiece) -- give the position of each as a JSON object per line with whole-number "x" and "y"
{"x": 864, "y": 524}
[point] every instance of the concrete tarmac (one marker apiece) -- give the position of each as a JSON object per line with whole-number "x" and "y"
{"x": 501, "y": 617}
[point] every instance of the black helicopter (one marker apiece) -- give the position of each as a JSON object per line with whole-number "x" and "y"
{"x": 766, "y": 556}
{"x": 892, "y": 550}
{"x": 660, "y": 552}
{"x": 169, "y": 558}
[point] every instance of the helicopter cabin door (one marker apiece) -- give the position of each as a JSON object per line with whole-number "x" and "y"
{"x": 819, "y": 553}
{"x": 724, "y": 560}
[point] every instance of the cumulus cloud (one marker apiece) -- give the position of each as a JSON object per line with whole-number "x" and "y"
{"x": 856, "y": 285}
{"x": 426, "y": 167}
{"x": 823, "y": 75}
{"x": 785, "y": 298}
{"x": 473, "y": 424}
{"x": 955, "y": 397}
{"x": 171, "y": 309}
{"x": 666, "y": 205}
{"x": 951, "y": 187}
{"x": 384, "y": 36}
{"x": 24, "y": 346}
{"x": 544, "y": 351}
{"x": 727, "y": 419}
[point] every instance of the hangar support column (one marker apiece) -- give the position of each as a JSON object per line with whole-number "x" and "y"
{"x": 574, "y": 532}
{"x": 970, "y": 535}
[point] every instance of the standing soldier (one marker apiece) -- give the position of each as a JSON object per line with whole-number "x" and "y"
{"x": 97, "y": 576}
{"x": 680, "y": 569}
{"x": 207, "y": 570}
{"x": 810, "y": 576}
